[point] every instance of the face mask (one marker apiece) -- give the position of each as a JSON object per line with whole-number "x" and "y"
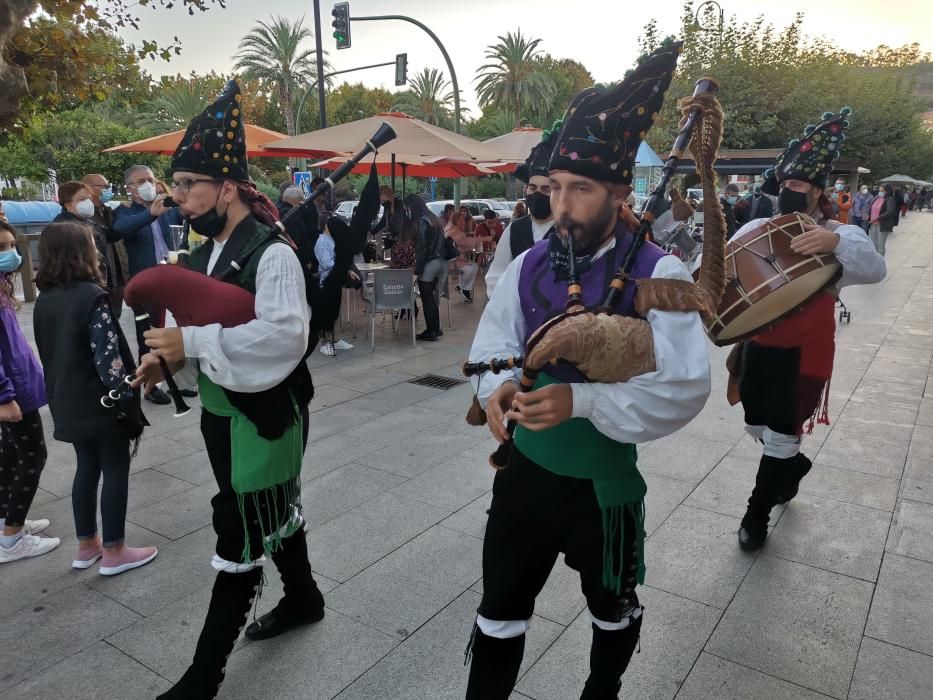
{"x": 106, "y": 196}
{"x": 840, "y": 187}
{"x": 864, "y": 190}
{"x": 539, "y": 205}
{"x": 146, "y": 192}
{"x": 790, "y": 201}
{"x": 85, "y": 209}
{"x": 881, "y": 193}
{"x": 211, "y": 223}
{"x": 732, "y": 199}
{"x": 10, "y": 260}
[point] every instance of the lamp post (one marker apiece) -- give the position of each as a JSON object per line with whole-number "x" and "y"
{"x": 696, "y": 18}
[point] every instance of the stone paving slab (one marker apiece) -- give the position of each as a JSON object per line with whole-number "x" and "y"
{"x": 396, "y": 486}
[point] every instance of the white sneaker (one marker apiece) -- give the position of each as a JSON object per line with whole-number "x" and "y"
{"x": 28, "y": 546}
{"x": 328, "y": 349}
{"x": 34, "y": 527}
{"x": 342, "y": 345}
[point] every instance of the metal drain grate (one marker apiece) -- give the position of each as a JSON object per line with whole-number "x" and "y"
{"x": 436, "y": 382}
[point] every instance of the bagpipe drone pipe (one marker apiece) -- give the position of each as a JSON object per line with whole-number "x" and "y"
{"x": 195, "y": 299}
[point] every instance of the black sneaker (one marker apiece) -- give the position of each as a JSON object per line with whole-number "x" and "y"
{"x": 427, "y": 335}
{"x": 159, "y": 397}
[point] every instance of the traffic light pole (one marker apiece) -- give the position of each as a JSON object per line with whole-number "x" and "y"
{"x": 450, "y": 67}
{"x": 320, "y": 65}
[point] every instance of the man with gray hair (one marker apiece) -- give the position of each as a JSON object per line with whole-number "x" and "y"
{"x": 299, "y": 227}
{"x": 144, "y": 225}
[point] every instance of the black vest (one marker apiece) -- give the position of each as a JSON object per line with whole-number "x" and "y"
{"x": 61, "y": 319}
{"x": 271, "y": 411}
{"x": 520, "y": 236}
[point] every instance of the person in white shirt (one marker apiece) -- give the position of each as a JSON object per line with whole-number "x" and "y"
{"x": 254, "y": 387}
{"x": 571, "y": 484}
{"x": 524, "y": 232}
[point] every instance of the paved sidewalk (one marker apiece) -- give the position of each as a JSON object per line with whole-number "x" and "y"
{"x": 838, "y": 603}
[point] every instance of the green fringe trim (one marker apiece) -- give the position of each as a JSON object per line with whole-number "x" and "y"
{"x": 278, "y": 510}
{"x": 614, "y": 544}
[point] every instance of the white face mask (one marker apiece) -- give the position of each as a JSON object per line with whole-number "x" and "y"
{"x": 864, "y": 190}
{"x": 85, "y": 209}
{"x": 146, "y": 192}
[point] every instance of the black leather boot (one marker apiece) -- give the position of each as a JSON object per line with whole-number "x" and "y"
{"x": 495, "y": 665}
{"x": 768, "y": 482}
{"x": 610, "y": 654}
{"x": 231, "y": 601}
{"x": 302, "y": 603}
{"x": 797, "y": 468}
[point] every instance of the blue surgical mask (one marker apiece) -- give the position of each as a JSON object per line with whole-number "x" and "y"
{"x": 106, "y": 196}
{"x": 10, "y": 260}
{"x": 732, "y": 199}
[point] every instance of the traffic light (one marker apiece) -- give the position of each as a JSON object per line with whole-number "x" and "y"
{"x": 401, "y": 69}
{"x": 341, "y": 14}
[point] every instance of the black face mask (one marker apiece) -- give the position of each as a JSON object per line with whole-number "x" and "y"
{"x": 210, "y": 224}
{"x": 539, "y": 205}
{"x": 790, "y": 201}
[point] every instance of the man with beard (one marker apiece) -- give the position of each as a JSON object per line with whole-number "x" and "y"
{"x": 783, "y": 372}
{"x": 524, "y": 232}
{"x": 571, "y": 484}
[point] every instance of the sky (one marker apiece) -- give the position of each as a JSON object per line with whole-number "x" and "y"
{"x": 601, "y": 34}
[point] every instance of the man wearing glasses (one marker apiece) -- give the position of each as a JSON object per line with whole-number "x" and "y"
{"x": 144, "y": 225}
{"x": 115, "y": 252}
{"x": 523, "y": 233}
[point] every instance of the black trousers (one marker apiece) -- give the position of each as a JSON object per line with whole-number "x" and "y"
{"x": 432, "y": 313}
{"x": 22, "y": 459}
{"x": 228, "y": 523}
{"x": 109, "y": 457}
{"x": 535, "y": 516}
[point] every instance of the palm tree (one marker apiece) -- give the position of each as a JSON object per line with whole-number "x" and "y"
{"x": 272, "y": 52}
{"x": 429, "y": 98}
{"x": 176, "y": 105}
{"x": 511, "y": 79}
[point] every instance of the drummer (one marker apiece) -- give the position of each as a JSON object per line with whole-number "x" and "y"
{"x": 784, "y": 372}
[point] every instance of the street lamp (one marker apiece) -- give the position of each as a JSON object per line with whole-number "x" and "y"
{"x": 696, "y": 18}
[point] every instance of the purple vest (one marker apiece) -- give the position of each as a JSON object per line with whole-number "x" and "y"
{"x": 543, "y": 296}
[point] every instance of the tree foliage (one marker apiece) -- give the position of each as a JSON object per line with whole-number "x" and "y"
{"x": 512, "y": 78}
{"x": 429, "y": 97}
{"x": 774, "y": 81}
{"x": 273, "y": 52}
{"x": 68, "y": 145}
{"x": 52, "y": 57}
{"x": 568, "y": 78}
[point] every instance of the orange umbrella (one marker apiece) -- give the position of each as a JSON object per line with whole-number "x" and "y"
{"x": 166, "y": 144}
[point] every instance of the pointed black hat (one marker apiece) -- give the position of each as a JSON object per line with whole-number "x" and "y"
{"x": 810, "y": 158}
{"x": 215, "y": 142}
{"x": 540, "y": 157}
{"x": 603, "y": 129}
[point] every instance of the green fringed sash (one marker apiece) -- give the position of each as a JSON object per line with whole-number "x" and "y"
{"x": 263, "y": 471}
{"x": 577, "y": 449}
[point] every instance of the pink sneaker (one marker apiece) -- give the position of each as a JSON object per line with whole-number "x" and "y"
{"x": 122, "y": 558}
{"x": 89, "y": 551}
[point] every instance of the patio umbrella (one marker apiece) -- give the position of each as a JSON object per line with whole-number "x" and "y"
{"x": 166, "y": 144}
{"x": 410, "y": 166}
{"x": 418, "y": 140}
{"x": 904, "y": 179}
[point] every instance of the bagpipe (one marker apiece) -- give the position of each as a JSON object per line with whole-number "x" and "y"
{"x": 196, "y": 299}
{"x": 602, "y": 345}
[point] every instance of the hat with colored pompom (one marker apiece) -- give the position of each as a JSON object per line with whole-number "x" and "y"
{"x": 215, "y": 141}
{"x": 810, "y": 158}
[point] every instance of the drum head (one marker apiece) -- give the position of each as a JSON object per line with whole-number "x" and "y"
{"x": 777, "y": 304}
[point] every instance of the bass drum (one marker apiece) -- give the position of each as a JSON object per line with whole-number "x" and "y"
{"x": 766, "y": 280}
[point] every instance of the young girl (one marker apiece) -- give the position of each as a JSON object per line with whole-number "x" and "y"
{"x": 86, "y": 360}
{"x": 22, "y": 443}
